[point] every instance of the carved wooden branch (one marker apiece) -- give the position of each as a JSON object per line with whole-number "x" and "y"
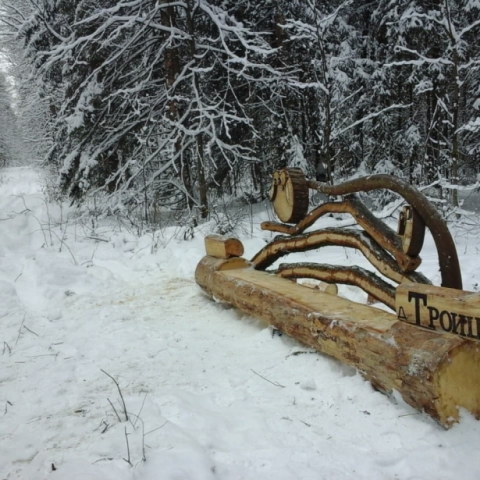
{"x": 447, "y": 253}
{"x": 362, "y": 241}
{"x": 357, "y": 276}
{"x": 381, "y": 232}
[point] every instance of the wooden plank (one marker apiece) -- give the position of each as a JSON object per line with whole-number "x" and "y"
{"x": 440, "y": 309}
{"x": 432, "y": 372}
{"x": 219, "y": 246}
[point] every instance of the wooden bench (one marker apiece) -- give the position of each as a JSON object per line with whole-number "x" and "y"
{"x": 434, "y": 372}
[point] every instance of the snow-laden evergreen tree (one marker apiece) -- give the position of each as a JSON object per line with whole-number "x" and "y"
{"x": 153, "y": 99}
{"x": 336, "y": 85}
{"x": 433, "y": 58}
{"x": 168, "y": 104}
{"x": 9, "y": 138}
{"x": 35, "y": 102}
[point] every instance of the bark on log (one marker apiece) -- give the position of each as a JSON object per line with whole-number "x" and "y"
{"x": 362, "y": 241}
{"x": 435, "y": 373}
{"x": 377, "y": 229}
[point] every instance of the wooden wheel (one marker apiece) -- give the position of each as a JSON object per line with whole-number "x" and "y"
{"x": 411, "y": 229}
{"x": 289, "y": 194}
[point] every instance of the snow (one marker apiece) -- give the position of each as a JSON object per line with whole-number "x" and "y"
{"x": 210, "y": 393}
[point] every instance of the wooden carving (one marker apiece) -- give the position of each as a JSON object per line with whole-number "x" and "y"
{"x": 362, "y": 241}
{"x": 434, "y": 373}
{"x": 377, "y": 229}
{"x": 378, "y": 242}
{"x": 427, "y": 351}
{"x": 447, "y": 252}
{"x": 289, "y": 194}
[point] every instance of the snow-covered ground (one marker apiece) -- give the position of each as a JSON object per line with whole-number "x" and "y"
{"x": 210, "y": 393}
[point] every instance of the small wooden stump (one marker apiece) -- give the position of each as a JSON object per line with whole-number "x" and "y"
{"x": 219, "y": 246}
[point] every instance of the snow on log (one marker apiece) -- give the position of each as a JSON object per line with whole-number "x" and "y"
{"x": 219, "y": 246}
{"x": 432, "y": 372}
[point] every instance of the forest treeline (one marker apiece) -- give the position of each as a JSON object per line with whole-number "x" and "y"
{"x": 174, "y": 103}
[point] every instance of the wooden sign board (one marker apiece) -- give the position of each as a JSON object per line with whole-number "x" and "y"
{"x": 439, "y": 309}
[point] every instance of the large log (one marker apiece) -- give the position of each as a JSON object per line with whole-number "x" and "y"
{"x": 432, "y": 372}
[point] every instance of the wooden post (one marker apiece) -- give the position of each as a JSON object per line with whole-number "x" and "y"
{"x": 432, "y": 372}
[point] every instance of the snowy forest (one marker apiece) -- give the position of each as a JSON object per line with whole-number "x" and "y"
{"x": 134, "y": 344}
{"x": 144, "y": 105}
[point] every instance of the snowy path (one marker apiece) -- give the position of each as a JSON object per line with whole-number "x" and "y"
{"x": 190, "y": 372}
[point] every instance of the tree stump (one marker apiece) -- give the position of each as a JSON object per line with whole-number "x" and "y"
{"x": 223, "y": 247}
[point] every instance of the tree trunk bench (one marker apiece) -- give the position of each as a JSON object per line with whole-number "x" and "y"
{"x": 434, "y": 372}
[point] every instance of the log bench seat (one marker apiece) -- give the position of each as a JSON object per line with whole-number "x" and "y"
{"x": 434, "y": 372}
